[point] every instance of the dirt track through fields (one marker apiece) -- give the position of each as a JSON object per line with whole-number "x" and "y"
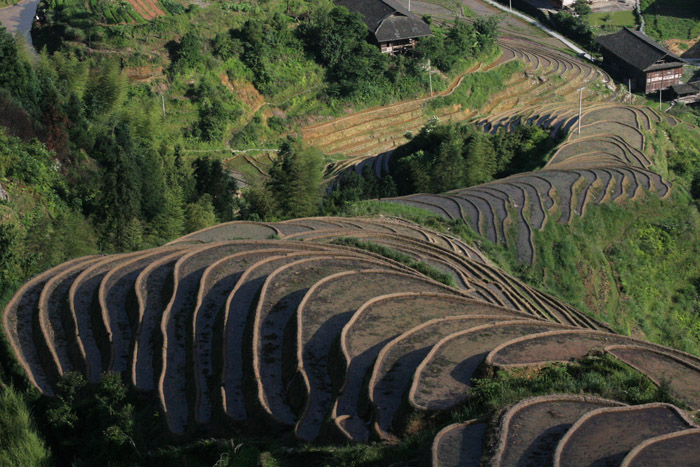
{"x": 18, "y": 18}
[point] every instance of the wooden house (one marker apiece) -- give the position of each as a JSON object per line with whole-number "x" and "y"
{"x": 632, "y": 55}
{"x": 688, "y": 93}
{"x": 392, "y": 27}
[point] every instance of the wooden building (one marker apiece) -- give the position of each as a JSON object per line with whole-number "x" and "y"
{"x": 392, "y": 27}
{"x": 632, "y": 55}
{"x": 688, "y": 93}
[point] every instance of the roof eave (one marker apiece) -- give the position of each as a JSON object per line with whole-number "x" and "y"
{"x": 400, "y": 38}
{"x": 663, "y": 66}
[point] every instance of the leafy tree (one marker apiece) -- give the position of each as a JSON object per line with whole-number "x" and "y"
{"x": 461, "y": 37}
{"x": 212, "y": 119}
{"x": 354, "y": 187}
{"x": 78, "y": 128}
{"x": 211, "y": 179}
{"x": 17, "y": 75}
{"x": 225, "y": 46}
{"x": 121, "y": 183}
{"x": 199, "y": 215}
{"x": 387, "y": 187}
{"x": 190, "y": 52}
{"x": 257, "y": 203}
{"x": 574, "y": 27}
{"x": 30, "y": 163}
{"x": 217, "y": 107}
{"x": 153, "y": 188}
{"x": 361, "y": 74}
{"x": 487, "y": 31}
{"x": 105, "y": 89}
{"x": 170, "y": 221}
{"x": 445, "y": 157}
{"x": 695, "y": 186}
{"x": 582, "y": 8}
{"x": 447, "y": 171}
{"x": 10, "y": 267}
{"x": 95, "y": 424}
{"x": 295, "y": 181}
{"x": 335, "y": 35}
{"x": 480, "y": 159}
{"x": 131, "y": 235}
{"x": 338, "y": 39}
{"x": 255, "y": 48}
{"x": 72, "y": 73}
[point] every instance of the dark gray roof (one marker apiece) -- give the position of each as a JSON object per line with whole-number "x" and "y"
{"x": 388, "y": 20}
{"x": 637, "y": 49}
{"x": 688, "y": 88}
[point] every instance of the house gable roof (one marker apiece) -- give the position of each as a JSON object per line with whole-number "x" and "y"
{"x": 640, "y": 51}
{"x": 387, "y": 20}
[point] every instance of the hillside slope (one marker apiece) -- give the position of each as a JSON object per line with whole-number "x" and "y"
{"x": 303, "y": 335}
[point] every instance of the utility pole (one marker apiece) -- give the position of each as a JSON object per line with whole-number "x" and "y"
{"x": 409, "y": 5}
{"x": 629, "y": 89}
{"x": 430, "y": 78}
{"x": 510, "y": 4}
{"x": 659, "y": 99}
{"x": 580, "y": 103}
{"x": 162, "y": 101}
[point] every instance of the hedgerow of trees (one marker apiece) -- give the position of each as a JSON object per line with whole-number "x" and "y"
{"x": 443, "y": 157}
{"x": 294, "y": 188}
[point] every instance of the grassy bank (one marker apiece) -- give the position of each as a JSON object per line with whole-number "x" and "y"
{"x": 671, "y": 19}
{"x": 633, "y": 266}
{"x": 477, "y": 88}
{"x": 420, "y": 266}
{"x": 20, "y": 443}
{"x": 598, "y": 375}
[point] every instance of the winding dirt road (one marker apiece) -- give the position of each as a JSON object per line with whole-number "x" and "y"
{"x": 17, "y": 19}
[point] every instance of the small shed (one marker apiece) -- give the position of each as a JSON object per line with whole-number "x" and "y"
{"x": 392, "y": 27}
{"x": 688, "y": 93}
{"x": 632, "y": 55}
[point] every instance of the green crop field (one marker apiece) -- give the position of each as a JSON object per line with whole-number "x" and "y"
{"x": 616, "y": 18}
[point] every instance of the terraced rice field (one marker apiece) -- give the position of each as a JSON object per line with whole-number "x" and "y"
{"x": 530, "y": 429}
{"x": 148, "y": 9}
{"x": 607, "y": 162}
{"x": 367, "y": 137}
{"x": 605, "y": 435}
{"x": 277, "y": 329}
{"x": 569, "y": 430}
{"x": 232, "y": 330}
